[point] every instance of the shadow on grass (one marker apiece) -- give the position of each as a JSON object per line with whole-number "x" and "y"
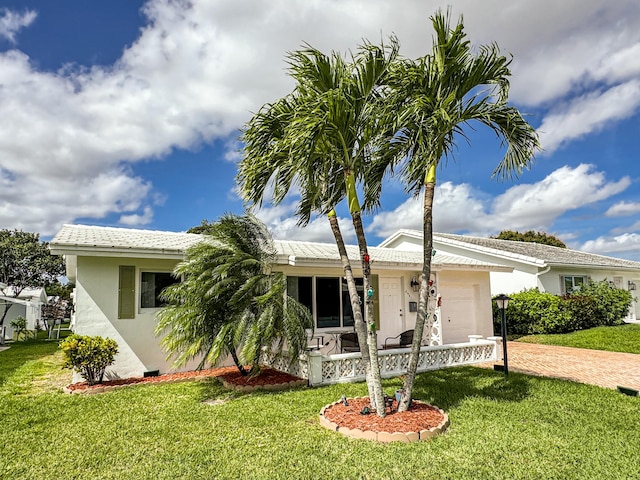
{"x": 22, "y": 352}
{"x": 447, "y": 388}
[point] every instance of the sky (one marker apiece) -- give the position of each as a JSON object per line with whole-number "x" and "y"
{"x": 127, "y": 113}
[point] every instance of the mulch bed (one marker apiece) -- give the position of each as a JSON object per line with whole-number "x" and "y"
{"x": 268, "y": 376}
{"x": 421, "y": 416}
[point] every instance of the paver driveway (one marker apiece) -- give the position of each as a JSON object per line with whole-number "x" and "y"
{"x": 606, "y": 369}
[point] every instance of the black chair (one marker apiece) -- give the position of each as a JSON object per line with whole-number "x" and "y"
{"x": 406, "y": 339}
{"x": 349, "y": 343}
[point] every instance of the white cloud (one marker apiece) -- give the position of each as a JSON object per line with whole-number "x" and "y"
{"x": 136, "y": 219}
{"x": 587, "y": 114}
{"x": 12, "y": 22}
{"x": 283, "y": 225}
{"x": 536, "y": 206}
{"x": 626, "y": 245}
{"x": 458, "y": 208}
{"x": 199, "y": 69}
{"x": 623, "y": 209}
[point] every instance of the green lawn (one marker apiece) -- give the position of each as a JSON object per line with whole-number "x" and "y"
{"x": 621, "y": 338}
{"x": 521, "y": 428}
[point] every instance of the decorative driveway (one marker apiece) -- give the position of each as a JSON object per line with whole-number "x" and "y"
{"x": 597, "y": 367}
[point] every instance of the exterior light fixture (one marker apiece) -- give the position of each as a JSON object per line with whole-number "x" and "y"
{"x": 632, "y": 285}
{"x": 415, "y": 285}
{"x": 502, "y": 301}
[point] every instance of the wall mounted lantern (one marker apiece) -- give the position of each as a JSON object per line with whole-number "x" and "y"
{"x": 632, "y": 285}
{"x": 415, "y": 285}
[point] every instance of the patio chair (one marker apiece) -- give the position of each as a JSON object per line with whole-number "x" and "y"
{"x": 406, "y": 339}
{"x": 349, "y": 343}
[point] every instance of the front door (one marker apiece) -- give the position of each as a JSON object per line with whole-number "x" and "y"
{"x": 392, "y": 320}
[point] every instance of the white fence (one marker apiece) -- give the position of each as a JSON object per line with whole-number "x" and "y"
{"x": 321, "y": 369}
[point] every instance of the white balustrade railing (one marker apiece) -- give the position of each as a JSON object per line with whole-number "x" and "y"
{"x": 320, "y": 369}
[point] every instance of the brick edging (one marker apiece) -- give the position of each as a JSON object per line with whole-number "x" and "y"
{"x": 385, "y": 437}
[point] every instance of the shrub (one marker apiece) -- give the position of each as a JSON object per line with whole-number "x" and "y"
{"x": 594, "y": 304}
{"x": 89, "y": 356}
{"x": 532, "y": 311}
{"x": 19, "y": 325}
{"x": 583, "y": 310}
{"x": 612, "y": 304}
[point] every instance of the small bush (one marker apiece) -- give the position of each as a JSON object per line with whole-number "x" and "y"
{"x": 19, "y": 325}
{"x": 89, "y": 356}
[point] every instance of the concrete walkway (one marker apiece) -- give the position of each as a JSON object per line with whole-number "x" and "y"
{"x": 605, "y": 369}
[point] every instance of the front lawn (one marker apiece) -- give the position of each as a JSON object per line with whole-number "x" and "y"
{"x": 521, "y": 428}
{"x": 621, "y": 338}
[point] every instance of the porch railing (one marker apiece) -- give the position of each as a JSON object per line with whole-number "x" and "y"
{"x": 321, "y": 369}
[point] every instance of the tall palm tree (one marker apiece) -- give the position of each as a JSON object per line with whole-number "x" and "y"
{"x": 434, "y": 98}
{"x": 229, "y": 301}
{"x": 319, "y": 138}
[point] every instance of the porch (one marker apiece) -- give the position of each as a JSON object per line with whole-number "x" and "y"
{"x": 321, "y": 369}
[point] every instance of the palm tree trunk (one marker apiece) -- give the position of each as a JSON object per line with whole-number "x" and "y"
{"x": 427, "y": 249}
{"x": 236, "y": 360}
{"x": 360, "y": 327}
{"x": 375, "y": 383}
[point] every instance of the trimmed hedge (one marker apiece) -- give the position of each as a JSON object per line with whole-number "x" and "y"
{"x": 534, "y": 312}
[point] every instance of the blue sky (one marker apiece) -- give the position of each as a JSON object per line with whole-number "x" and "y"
{"x": 127, "y": 113}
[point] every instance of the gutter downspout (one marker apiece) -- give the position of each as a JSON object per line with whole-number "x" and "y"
{"x": 546, "y": 270}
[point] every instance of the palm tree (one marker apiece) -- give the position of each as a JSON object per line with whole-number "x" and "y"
{"x": 319, "y": 138}
{"x": 229, "y": 301}
{"x": 434, "y": 98}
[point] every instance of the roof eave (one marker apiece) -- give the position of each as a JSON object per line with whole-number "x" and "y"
{"x": 102, "y": 251}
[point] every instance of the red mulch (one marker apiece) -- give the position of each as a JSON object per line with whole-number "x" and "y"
{"x": 230, "y": 374}
{"x": 421, "y": 416}
{"x": 268, "y": 376}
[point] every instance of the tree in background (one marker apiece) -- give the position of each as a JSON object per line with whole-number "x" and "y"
{"x": 230, "y": 302}
{"x": 204, "y": 227}
{"x": 25, "y": 262}
{"x": 531, "y": 236}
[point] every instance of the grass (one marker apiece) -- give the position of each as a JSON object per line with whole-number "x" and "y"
{"x": 518, "y": 428}
{"x": 621, "y": 338}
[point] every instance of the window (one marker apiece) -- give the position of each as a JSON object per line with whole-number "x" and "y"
{"x": 151, "y": 286}
{"x": 571, "y": 283}
{"x": 327, "y": 298}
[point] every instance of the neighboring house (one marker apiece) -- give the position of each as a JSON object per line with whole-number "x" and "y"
{"x": 551, "y": 269}
{"x": 27, "y": 304}
{"x": 119, "y": 274}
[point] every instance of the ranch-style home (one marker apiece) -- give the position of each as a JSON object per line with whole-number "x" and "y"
{"x": 120, "y": 272}
{"x": 551, "y": 269}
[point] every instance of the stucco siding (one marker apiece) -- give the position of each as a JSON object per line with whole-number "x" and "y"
{"x": 97, "y": 314}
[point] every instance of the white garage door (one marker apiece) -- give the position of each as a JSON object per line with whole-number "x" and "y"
{"x": 458, "y": 312}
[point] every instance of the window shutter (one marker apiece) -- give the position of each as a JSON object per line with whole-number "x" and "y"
{"x": 127, "y": 292}
{"x": 563, "y": 290}
{"x": 376, "y": 300}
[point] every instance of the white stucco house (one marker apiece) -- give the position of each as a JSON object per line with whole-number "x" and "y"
{"x": 28, "y": 304}
{"x": 551, "y": 269}
{"x": 119, "y": 273}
